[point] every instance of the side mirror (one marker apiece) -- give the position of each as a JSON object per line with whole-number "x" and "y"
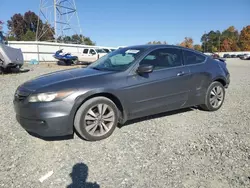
{"x": 145, "y": 69}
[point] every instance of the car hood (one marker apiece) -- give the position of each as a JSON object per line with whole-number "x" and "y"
{"x": 61, "y": 76}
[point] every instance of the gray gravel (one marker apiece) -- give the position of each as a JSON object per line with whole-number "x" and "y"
{"x": 188, "y": 148}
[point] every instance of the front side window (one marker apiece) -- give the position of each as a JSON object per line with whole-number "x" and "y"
{"x": 192, "y": 58}
{"x": 163, "y": 58}
{"x": 118, "y": 60}
{"x": 85, "y": 51}
{"x": 92, "y": 51}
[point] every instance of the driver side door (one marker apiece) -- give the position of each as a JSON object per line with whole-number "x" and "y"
{"x": 92, "y": 55}
{"x": 166, "y": 88}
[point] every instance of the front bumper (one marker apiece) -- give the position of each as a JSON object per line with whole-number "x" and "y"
{"x": 49, "y": 119}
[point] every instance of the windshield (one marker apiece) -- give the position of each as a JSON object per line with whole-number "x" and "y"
{"x": 118, "y": 60}
{"x": 100, "y": 51}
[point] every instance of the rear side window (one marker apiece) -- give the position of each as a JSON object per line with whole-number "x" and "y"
{"x": 85, "y": 51}
{"x": 192, "y": 58}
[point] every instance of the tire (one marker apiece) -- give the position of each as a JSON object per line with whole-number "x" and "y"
{"x": 1, "y": 70}
{"x": 68, "y": 62}
{"x": 208, "y": 106}
{"x": 84, "y": 120}
{"x": 60, "y": 62}
{"x": 75, "y": 62}
{"x": 7, "y": 70}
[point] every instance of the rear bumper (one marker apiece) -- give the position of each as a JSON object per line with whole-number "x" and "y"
{"x": 45, "y": 119}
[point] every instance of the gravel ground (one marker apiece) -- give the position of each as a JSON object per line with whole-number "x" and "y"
{"x": 187, "y": 148}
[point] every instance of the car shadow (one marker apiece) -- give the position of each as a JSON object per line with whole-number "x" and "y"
{"x": 15, "y": 71}
{"x": 164, "y": 114}
{"x": 54, "y": 138}
{"x": 130, "y": 122}
{"x": 62, "y": 63}
{"x": 79, "y": 177}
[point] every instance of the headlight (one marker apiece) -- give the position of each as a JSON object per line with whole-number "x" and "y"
{"x": 47, "y": 97}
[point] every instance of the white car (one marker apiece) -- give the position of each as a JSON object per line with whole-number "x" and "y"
{"x": 245, "y": 56}
{"x": 90, "y": 55}
{"x": 108, "y": 50}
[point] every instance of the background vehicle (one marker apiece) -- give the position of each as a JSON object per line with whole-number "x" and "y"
{"x": 108, "y": 50}
{"x": 128, "y": 83}
{"x": 9, "y": 57}
{"x": 239, "y": 55}
{"x": 65, "y": 58}
{"x": 245, "y": 57}
{"x": 208, "y": 53}
{"x": 112, "y": 49}
{"x": 89, "y": 55}
{"x": 226, "y": 56}
{"x": 215, "y": 56}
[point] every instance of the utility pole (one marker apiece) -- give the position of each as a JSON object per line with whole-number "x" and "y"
{"x": 55, "y": 20}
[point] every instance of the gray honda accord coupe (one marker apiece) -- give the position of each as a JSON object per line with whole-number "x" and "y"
{"x": 125, "y": 84}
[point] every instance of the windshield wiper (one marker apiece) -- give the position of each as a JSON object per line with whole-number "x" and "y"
{"x": 96, "y": 68}
{"x": 105, "y": 69}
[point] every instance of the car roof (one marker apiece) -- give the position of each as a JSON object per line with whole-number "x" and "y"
{"x": 148, "y": 46}
{"x": 155, "y": 46}
{"x": 152, "y": 46}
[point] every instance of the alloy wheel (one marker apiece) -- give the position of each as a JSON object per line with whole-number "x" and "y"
{"x": 99, "y": 119}
{"x": 216, "y": 96}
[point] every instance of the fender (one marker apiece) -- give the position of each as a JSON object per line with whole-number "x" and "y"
{"x": 220, "y": 78}
{"x": 92, "y": 93}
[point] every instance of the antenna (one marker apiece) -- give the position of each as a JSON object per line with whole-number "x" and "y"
{"x": 59, "y": 14}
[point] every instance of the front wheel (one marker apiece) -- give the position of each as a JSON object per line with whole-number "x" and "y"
{"x": 214, "y": 97}
{"x": 96, "y": 119}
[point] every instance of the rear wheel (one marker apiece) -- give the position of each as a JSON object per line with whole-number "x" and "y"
{"x": 214, "y": 97}
{"x": 96, "y": 119}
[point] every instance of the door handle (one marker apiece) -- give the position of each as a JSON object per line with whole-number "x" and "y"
{"x": 180, "y": 73}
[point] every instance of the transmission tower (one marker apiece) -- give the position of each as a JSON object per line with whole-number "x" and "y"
{"x": 60, "y": 14}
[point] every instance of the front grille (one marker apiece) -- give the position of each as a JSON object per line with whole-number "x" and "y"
{"x": 21, "y": 94}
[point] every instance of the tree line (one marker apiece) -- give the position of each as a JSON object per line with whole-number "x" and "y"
{"x": 215, "y": 41}
{"x": 24, "y": 28}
